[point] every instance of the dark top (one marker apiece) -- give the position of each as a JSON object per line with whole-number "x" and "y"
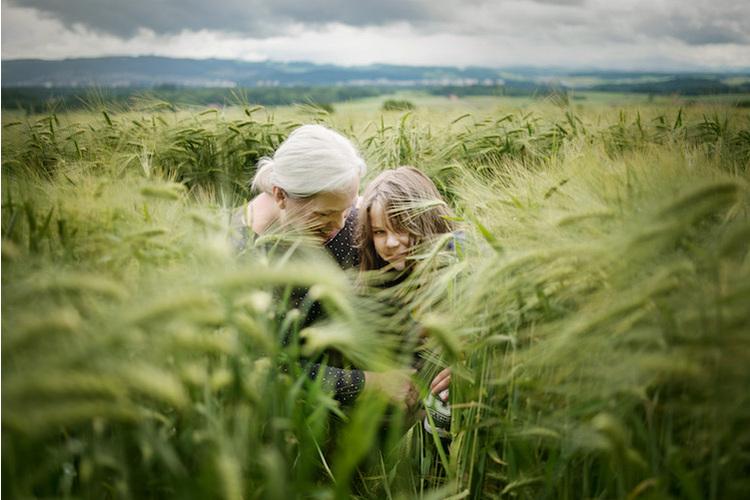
{"x": 345, "y": 384}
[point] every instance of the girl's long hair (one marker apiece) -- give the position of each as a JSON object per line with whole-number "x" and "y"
{"x": 411, "y": 204}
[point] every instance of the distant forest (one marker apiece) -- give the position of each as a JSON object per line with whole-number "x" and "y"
{"x": 688, "y": 86}
{"x": 41, "y": 99}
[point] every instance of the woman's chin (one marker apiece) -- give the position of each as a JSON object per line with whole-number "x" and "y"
{"x": 326, "y": 237}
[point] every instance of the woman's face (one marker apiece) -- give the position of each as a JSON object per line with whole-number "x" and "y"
{"x": 322, "y": 215}
{"x": 392, "y": 246}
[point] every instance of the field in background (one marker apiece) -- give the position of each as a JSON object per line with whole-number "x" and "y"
{"x": 596, "y": 324}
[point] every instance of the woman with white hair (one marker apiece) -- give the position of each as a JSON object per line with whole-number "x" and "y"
{"x": 310, "y": 188}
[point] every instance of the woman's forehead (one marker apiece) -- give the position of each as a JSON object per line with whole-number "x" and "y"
{"x": 335, "y": 200}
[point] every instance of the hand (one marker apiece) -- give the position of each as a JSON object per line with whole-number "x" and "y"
{"x": 440, "y": 383}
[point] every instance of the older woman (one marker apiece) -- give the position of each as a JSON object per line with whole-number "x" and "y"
{"x": 309, "y": 188}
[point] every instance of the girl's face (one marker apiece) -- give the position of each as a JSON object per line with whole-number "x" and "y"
{"x": 322, "y": 215}
{"x": 391, "y": 246}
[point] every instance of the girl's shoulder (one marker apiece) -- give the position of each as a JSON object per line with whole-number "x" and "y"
{"x": 457, "y": 243}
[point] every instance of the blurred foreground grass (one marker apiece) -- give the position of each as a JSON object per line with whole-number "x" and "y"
{"x": 597, "y": 324}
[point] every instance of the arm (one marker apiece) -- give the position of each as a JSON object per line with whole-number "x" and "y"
{"x": 347, "y": 385}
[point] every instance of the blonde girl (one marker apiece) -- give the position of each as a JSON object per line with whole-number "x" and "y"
{"x": 400, "y": 214}
{"x": 401, "y": 210}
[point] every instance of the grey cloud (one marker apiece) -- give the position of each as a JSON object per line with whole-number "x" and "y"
{"x": 594, "y": 21}
{"x": 572, "y": 3}
{"x": 535, "y": 19}
{"x": 259, "y": 18}
{"x": 712, "y": 35}
{"x": 714, "y": 24}
{"x": 357, "y": 13}
{"x": 125, "y": 18}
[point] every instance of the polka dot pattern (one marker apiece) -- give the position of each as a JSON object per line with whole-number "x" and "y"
{"x": 346, "y": 384}
{"x": 342, "y": 247}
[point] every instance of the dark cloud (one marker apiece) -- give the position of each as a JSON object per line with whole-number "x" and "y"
{"x": 703, "y": 27}
{"x": 572, "y": 3}
{"x": 258, "y": 18}
{"x": 708, "y": 35}
{"x": 356, "y": 13}
{"x": 695, "y": 23}
{"x": 125, "y": 18}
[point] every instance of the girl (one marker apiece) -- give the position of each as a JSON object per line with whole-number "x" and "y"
{"x": 402, "y": 211}
{"x": 401, "y": 216}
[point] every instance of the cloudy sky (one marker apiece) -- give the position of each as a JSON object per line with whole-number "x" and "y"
{"x": 620, "y": 34}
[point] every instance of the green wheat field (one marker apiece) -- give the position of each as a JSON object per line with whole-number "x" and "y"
{"x": 597, "y": 321}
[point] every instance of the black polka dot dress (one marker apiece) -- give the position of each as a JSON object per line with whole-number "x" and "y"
{"x": 346, "y": 384}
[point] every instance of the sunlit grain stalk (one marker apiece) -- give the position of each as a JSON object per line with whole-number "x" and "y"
{"x": 595, "y": 322}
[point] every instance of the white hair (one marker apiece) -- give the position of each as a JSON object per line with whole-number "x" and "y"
{"x": 312, "y": 160}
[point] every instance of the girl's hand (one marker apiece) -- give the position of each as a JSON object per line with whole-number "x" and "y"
{"x": 440, "y": 383}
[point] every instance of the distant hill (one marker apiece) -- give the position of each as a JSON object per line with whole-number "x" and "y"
{"x": 149, "y": 72}
{"x": 154, "y": 71}
{"x": 37, "y": 85}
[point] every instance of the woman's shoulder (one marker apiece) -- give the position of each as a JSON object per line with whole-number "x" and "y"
{"x": 243, "y": 221}
{"x": 260, "y": 212}
{"x": 239, "y": 233}
{"x": 343, "y": 246}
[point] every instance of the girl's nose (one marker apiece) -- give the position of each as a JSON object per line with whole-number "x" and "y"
{"x": 392, "y": 240}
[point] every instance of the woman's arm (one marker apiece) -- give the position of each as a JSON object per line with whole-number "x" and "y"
{"x": 347, "y": 385}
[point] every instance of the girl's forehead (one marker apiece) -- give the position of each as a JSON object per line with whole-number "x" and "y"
{"x": 379, "y": 216}
{"x": 376, "y": 211}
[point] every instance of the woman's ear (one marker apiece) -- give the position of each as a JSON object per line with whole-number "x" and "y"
{"x": 280, "y": 197}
